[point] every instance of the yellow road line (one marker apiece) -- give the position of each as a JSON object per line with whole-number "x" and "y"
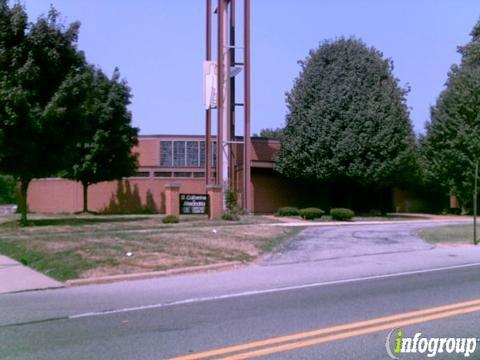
{"x": 328, "y": 330}
{"x": 324, "y": 339}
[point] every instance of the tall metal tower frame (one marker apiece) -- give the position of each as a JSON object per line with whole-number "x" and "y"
{"x": 225, "y": 99}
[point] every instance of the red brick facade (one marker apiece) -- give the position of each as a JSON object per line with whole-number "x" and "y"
{"x": 165, "y": 160}
{"x": 155, "y": 173}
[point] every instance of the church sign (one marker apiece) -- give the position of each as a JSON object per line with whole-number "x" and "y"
{"x": 193, "y": 204}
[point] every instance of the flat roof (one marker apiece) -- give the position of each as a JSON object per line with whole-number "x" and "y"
{"x": 177, "y": 136}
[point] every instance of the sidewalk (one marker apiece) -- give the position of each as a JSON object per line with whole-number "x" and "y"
{"x": 17, "y": 277}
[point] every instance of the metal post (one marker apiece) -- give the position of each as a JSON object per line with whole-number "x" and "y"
{"x": 220, "y": 86}
{"x": 226, "y": 98}
{"x": 231, "y": 101}
{"x": 475, "y": 205}
{"x": 247, "y": 191}
{"x": 208, "y": 112}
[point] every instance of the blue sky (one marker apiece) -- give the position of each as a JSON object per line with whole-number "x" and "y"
{"x": 159, "y": 47}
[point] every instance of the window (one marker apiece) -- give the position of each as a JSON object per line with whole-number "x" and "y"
{"x": 192, "y": 153}
{"x": 166, "y": 153}
{"x": 163, "y": 174}
{"x": 198, "y": 174}
{"x": 182, "y": 174}
{"x": 182, "y": 153}
{"x": 142, "y": 174}
{"x": 179, "y": 153}
{"x": 202, "y": 153}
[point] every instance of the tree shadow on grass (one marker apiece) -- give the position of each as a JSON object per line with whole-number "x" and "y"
{"x": 73, "y": 221}
{"x": 62, "y": 266}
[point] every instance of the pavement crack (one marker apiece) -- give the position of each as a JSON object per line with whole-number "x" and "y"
{"x": 33, "y": 322}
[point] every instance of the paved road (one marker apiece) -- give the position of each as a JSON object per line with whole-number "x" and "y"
{"x": 165, "y": 332}
{"x": 288, "y": 293}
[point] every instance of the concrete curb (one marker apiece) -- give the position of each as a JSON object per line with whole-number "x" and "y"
{"x": 153, "y": 274}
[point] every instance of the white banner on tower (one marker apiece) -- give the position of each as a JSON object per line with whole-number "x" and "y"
{"x": 210, "y": 91}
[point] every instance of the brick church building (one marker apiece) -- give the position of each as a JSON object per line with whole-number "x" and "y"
{"x": 180, "y": 159}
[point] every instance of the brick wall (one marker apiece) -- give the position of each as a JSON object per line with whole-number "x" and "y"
{"x": 65, "y": 196}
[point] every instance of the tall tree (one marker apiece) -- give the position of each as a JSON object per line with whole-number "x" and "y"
{"x": 7, "y": 190}
{"x": 35, "y": 60}
{"x": 105, "y": 138}
{"x": 347, "y": 119}
{"x": 272, "y": 133}
{"x": 451, "y": 146}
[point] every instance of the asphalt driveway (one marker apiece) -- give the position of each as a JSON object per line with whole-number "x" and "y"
{"x": 335, "y": 242}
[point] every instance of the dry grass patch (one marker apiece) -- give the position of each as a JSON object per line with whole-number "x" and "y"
{"x": 449, "y": 235}
{"x": 83, "y": 246}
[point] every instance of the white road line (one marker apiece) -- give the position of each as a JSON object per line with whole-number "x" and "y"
{"x": 269, "y": 291}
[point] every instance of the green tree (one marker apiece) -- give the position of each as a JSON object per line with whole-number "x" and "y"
{"x": 347, "y": 119}
{"x": 7, "y": 190}
{"x": 35, "y": 60}
{"x": 105, "y": 137}
{"x": 451, "y": 145}
{"x": 271, "y": 133}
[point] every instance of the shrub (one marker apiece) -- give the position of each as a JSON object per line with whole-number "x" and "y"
{"x": 230, "y": 215}
{"x": 8, "y": 194}
{"x": 287, "y": 211}
{"x": 311, "y": 213}
{"x": 375, "y": 212}
{"x": 231, "y": 199}
{"x": 341, "y": 214}
{"x": 170, "y": 219}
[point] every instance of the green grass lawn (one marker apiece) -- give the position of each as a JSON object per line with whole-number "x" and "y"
{"x": 451, "y": 234}
{"x": 84, "y": 246}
